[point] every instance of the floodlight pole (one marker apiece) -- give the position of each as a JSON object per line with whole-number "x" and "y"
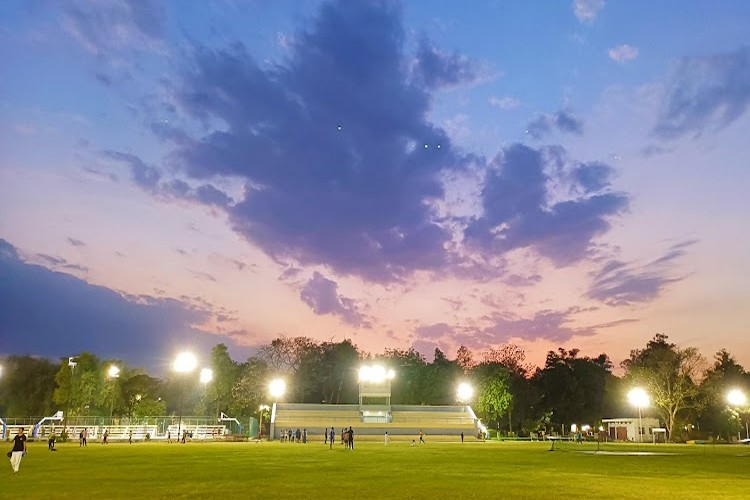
{"x": 640, "y": 425}
{"x": 179, "y": 421}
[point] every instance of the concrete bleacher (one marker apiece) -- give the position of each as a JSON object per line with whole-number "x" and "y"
{"x": 372, "y": 422}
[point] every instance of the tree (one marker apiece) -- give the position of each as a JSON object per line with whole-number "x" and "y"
{"x": 250, "y": 390}
{"x": 27, "y": 387}
{"x": 717, "y": 418}
{"x": 572, "y": 388}
{"x": 669, "y": 374}
{"x": 79, "y": 388}
{"x": 225, "y": 373}
{"x": 494, "y": 399}
{"x": 465, "y": 359}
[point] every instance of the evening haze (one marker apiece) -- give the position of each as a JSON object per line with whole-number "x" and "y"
{"x": 404, "y": 174}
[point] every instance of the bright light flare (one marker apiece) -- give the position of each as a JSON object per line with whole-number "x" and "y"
{"x": 207, "y": 375}
{"x": 736, "y": 397}
{"x": 277, "y": 388}
{"x": 465, "y": 391}
{"x": 185, "y": 362}
{"x": 638, "y": 397}
{"x": 375, "y": 373}
{"x": 113, "y": 372}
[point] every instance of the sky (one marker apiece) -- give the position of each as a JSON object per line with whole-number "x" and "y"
{"x": 403, "y": 174}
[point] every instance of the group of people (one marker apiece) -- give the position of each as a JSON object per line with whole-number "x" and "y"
{"x": 292, "y": 436}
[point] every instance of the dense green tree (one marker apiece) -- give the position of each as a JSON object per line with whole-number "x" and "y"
{"x": 493, "y": 399}
{"x": 26, "y": 387}
{"x": 250, "y": 390}
{"x": 225, "y": 374}
{"x": 80, "y": 387}
{"x": 717, "y": 418}
{"x": 573, "y": 388}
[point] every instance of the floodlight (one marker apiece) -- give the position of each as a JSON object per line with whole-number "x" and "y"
{"x": 736, "y": 397}
{"x": 573, "y": 428}
{"x": 185, "y": 362}
{"x": 207, "y": 375}
{"x": 277, "y": 388}
{"x": 391, "y": 374}
{"x": 638, "y": 397}
{"x": 465, "y": 391}
{"x": 586, "y": 428}
{"x": 113, "y": 371}
{"x": 375, "y": 373}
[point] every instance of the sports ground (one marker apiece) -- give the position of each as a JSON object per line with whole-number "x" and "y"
{"x": 372, "y": 470}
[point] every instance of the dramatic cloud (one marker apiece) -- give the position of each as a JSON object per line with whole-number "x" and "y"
{"x": 622, "y": 284}
{"x": 65, "y": 315}
{"x": 587, "y": 10}
{"x": 623, "y": 53}
{"x": 518, "y": 212}
{"x": 321, "y": 294}
{"x": 563, "y": 121}
{"x": 706, "y": 93}
{"x": 504, "y": 102}
{"x": 335, "y": 148}
{"x": 439, "y": 70}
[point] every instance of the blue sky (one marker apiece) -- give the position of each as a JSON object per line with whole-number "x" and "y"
{"x": 399, "y": 173}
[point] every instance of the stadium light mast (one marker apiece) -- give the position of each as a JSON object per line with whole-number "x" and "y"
{"x": 638, "y": 397}
{"x": 185, "y": 362}
{"x": 738, "y": 399}
{"x": 112, "y": 373}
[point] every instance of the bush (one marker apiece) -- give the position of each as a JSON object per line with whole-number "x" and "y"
{"x": 63, "y": 437}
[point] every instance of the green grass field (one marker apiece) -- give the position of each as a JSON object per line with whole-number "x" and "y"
{"x": 434, "y": 470}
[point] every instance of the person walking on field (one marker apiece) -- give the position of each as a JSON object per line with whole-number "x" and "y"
{"x": 351, "y": 439}
{"x": 331, "y": 436}
{"x": 421, "y": 436}
{"x": 386, "y": 438}
{"x": 19, "y": 450}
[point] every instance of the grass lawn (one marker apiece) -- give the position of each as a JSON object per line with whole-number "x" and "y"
{"x": 434, "y": 470}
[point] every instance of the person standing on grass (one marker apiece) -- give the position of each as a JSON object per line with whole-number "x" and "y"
{"x": 85, "y": 437}
{"x": 351, "y": 439}
{"x": 19, "y": 450}
{"x": 51, "y": 442}
{"x": 130, "y": 437}
{"x": 105, "y": 439}
{"x": 421, "y": 436}
{"x": 169, "y": 436}
{"x": 462, "y": 436}
{"x": 331, "y": 437}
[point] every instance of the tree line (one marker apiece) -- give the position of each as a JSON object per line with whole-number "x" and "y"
{"x": 511, "y": 397}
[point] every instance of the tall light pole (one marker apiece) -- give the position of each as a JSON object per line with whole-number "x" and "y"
{"x": 276, "y": 388}
{"x": 112, "y": 374}
{"x": 185, "y": 362}
{"x": 639, "y": 398}
{"x": 737, "y": 399}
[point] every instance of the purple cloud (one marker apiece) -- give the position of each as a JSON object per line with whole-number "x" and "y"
{"x": 439, "y": 70}
{"x": 75, "y": 242}
{"x": 623, "y": 284}
{"x": 517, "y": 213}
{"x": 321, "y": 294}
{"x": 563, "y": 121}
{"x": 706, "y": 92}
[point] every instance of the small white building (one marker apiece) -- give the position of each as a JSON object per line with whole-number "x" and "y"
{"x": 626, "y": 429}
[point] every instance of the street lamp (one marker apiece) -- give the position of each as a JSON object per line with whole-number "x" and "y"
{"x": 112, "y": 373}
{"x": 185, "y": 362}
{"x": 465, "y": 392}
{"x": 638, "y": 397}
{"x": 737, "y": 398}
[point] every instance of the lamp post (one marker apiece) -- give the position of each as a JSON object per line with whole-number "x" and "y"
{"x": 737, "y": 398}
{"x": 184, "y": 363}
{"x": 276, "y": 388}
{"x": 639, "y": 398}
{"x": 112, "y": 373}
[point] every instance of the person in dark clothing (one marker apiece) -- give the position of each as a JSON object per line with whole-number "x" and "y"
{"x": 330, "y": 440}
{"x": 462, "y": 436}
{"x": 51, "y": 442}
{"x": 351, "y": 439}
{"x": 19, "y": 450}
